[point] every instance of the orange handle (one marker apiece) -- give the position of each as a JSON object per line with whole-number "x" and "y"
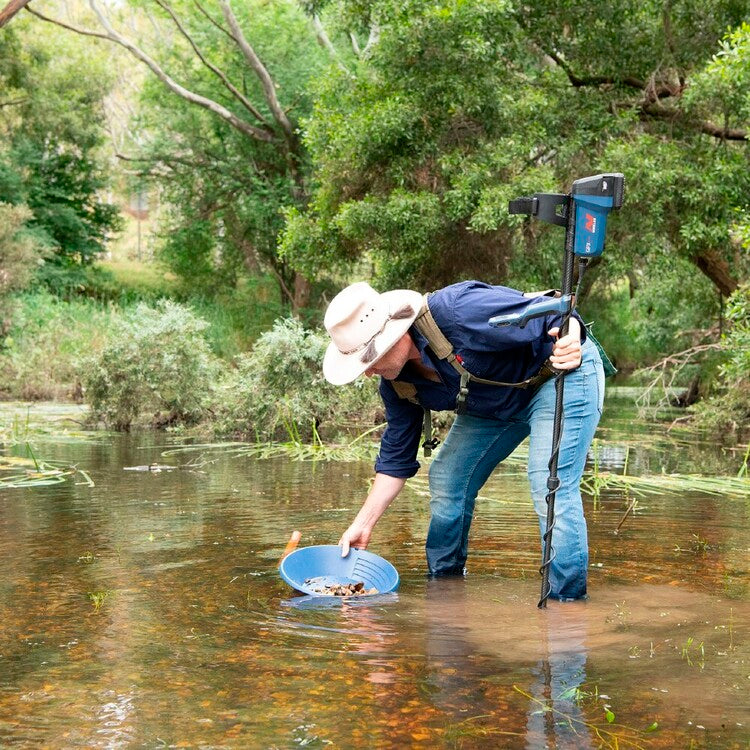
{"x": 291, "y": 545}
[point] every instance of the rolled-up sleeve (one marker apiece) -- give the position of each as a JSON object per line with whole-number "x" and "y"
{"x": 400, "y": 441}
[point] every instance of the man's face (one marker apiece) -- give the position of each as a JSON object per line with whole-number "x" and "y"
{"x": 393, "y": 361}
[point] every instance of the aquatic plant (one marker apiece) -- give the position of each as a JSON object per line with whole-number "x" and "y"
{"x": 98, "y": 598}
{"x": 626, "y": 737}
{"x": 32, "y": 472}
{"x": 595, "y": 480}
{"x": 357, "y": 449}
{"x": 689, "y": 653}
{"x": 19, "y": 427}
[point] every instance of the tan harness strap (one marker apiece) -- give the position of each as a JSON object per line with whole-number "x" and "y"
{"x": 405, "y": 390}
{"x": 443, "y": 349}
{"x": 409, "y": 392}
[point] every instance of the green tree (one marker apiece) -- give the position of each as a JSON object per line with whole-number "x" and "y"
{"x": 20, "y": 255}
{"x": 225, "y": 145}
{"x": 50, "y": 157}
{"x": 461, "y": 106}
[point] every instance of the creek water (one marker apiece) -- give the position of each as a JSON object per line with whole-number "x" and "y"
{"x": 147, "y": 611}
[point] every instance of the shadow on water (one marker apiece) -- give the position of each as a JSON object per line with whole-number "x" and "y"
{"x": 147, "y": 612}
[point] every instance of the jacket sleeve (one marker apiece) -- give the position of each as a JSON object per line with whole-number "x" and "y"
{"x": 401, "y": 439}
{"x": 472, "y": 309}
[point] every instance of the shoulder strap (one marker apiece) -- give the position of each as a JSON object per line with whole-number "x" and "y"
{"x": 405, "y": 390}
{"x": 409, "y": 392}
{"x": 426, "y": 325}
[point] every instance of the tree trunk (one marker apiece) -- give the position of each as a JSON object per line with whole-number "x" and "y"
{"x": 302, "y": 288}
{"x": 10, "y": 10}
{"x": 717, "y": 269}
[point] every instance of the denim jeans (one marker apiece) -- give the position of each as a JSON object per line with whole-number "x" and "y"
{"x": 474, "y": 446}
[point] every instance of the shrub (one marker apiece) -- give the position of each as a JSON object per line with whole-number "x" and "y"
{"x": 20, "y": 252}
{"x": 41, "y": 351}
{"x": 727, "y": 410}
{"x": 278, "y": 390}
{"x": 157, "y": 368}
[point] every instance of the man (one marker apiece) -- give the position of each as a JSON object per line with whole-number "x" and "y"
{"x": 378, "y": 334}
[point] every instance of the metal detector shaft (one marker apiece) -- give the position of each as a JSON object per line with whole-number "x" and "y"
{"x": 583, "y": 213}
{"x": 553, "y": 481}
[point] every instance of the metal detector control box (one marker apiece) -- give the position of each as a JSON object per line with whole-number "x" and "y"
{"x": 583, "y": 212}
{"x": 593, "y": 199}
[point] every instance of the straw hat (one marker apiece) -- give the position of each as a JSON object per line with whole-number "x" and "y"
{"x": 363, "y": 326}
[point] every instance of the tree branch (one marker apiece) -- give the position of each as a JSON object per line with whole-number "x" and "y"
{"x": 212, "y": 20}
{"x": 13, "y": 103}
{"x": 190, "y": 96}
{"x": 728, "y": 134}
{"x": 168, "y": 81}
{"x": 269, "y": 89}
{"x": 10, "y": 10}
{"x": 579, "y": 81}
{"x": 325, "y": 42}
{"x": 372, "y": 40}
{"x": 74, "y": 29}
{"x": 653, "y": 93}
{"x": 220, "y": 74}
{"x": 672, "y": 113}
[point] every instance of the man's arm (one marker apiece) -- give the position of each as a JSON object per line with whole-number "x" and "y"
{"x": 384, "y": 491}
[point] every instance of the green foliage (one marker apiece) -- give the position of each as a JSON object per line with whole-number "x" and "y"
{"x": 237, "y": 317}
{"x": 278, "y": 390}
{"x": 737, "y": 341}
{"x": 225, "y": 191}
{"x": 156, "y": 368}
{"x": 460, "y": 107}
{"x": 52, "y": 131}
{"x": 20, "y": 254}
{"x": 727, "y": 411}
{"x": 410, "y": 149}
{"x": 41, "y": 351}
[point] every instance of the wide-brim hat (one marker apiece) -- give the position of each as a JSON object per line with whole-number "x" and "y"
{"x": 363, "y": 326}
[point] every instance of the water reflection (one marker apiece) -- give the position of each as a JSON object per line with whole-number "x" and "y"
{"x": 199, "y": 643}
{"x": 557, "y": 637}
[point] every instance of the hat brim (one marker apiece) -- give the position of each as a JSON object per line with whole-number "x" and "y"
{"x": 339, "y": 368}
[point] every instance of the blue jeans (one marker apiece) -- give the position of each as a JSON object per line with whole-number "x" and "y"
{"x": 474, "y": 446}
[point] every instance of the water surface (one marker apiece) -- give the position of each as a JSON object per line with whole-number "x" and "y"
{"x": 147, "y": 612}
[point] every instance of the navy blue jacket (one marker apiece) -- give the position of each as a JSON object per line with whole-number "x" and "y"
{"x": 509, "y": 354}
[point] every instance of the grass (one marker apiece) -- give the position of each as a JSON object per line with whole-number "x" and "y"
{"x": 624, "y": 737}
{"x": 141, "y": 279}
{"x": 357, "y": 449}
{"x": 49, "y": 337}
{"x": 595, "y": 480}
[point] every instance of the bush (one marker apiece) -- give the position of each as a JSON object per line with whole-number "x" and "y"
{"x": 278, "y": 390}
{"x": 41, "y": 351}
{"x": 157, "y": 368}
{"x": 20, "y": 253}
{"x": 727, "y": 410}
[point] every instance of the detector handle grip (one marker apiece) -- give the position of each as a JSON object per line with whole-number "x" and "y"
{"x": 536, "y": 309}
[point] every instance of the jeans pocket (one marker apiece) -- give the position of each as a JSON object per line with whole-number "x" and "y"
{"x": 593, "y": 379}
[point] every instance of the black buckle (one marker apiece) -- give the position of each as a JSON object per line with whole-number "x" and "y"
{"x": 463, "y": 392}
{"x": 431, "y": 444}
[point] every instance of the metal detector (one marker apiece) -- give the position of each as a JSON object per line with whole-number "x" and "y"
{"x": 583, "y": 212}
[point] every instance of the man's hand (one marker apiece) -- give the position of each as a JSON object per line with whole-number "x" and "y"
{"x": 383, "y": 492}
{"x": 357, "y": 536}
{"x": 566, "y": 354}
